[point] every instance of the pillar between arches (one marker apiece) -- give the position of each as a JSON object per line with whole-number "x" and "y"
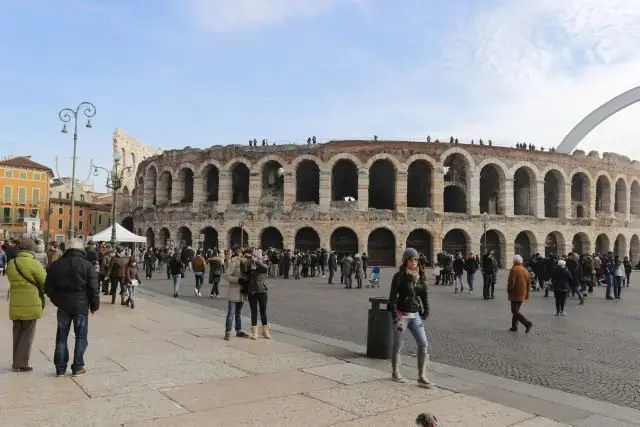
{"x": 255, "y": 190}
{"x": 508, "y": 194}
{"x": 224, "y": 190}
{"x": 539, "y": 202}
{"x": 289, "y": 191}
{"x": 325, "y": 192}
{"x": 401, "y": 191}
{"x": 437, "y": 190}
{"x": 198, "y": 192}
{"x": 363, "y": 190}
{"x": 473, "y": 195}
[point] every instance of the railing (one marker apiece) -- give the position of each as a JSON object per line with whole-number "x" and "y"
{"x": 23, "y": 202}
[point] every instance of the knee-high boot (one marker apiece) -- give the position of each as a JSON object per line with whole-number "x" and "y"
{"x": 423, "y": 381}
{"x": 395, "y": 366}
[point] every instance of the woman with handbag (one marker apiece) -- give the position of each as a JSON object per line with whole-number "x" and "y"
{"x": 409, "y": 306}
{"x": 26, "y": 302}
{"x": 133, "y": 281}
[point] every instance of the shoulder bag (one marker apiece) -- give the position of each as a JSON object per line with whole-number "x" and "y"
{"x": 40, "y": 292}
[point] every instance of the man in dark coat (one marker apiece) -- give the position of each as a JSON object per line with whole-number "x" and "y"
{"x": 489, "y": 269}
{"x": 72, "y": 285}
{"x": 333, "y": 266}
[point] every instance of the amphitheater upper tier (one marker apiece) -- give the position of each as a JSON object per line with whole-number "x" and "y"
{"x": 380, "y": 196}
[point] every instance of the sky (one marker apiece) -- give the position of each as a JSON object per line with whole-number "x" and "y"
{"x": 176, "y": 73}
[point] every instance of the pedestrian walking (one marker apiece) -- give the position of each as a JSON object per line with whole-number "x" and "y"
{"x": 26, "y": 301}
{"x": 72, "y": 285}
{"x": 409, "y": 306}
{"x": 176, "y": 269}
{"x": 561, "y": 281}
{"x": 359, "y": 270}
{"x": 133, "y": 281}
{"x": 471, "y": 265}
{"x": 489, "y": 270}
{"x": 216, "y": 270}
{"x": 236, "y": 296}
{"x": 198, "y": 272}
{"x": 118, "y": 275}
{"x": 518, "y": 285}
{"x": 627, "y": 270}
{"x": 618, "y": 278}
{"x": 332, "y": 265}
{"x": 347, "y": 271}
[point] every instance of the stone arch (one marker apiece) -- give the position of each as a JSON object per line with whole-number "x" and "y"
{"x": 420, "y": 182}
{"x": 231, "y": 163}
{"x": 344, "y": 156}
{"x": 344, "y": 179}
{"x": 620, "y": 246}
{"x": 271, "y": 237}
{"x": 580, "y": 244}
{"x": 634, "y": 199}
{"x": 554, "y": 192}
{"x": 238, "y": 237}
{"x": 151, "y": 238}
{"x": 456, "y": 240}
{"x": 127, "y": 223}
{"x": 525, "y": 186}
{"x": 457, "y": 168}
{"x": 150, "y": 180}
{"x": 462, "y": 152}
{"x": 272, "y": 174}
{"x": 125, "y": 191}
{"x": 421, "y": 240}
{"x": 307, "y": 181}
{"x": 210, "y": 175}
{"x": 315, "y": 159}
{"x": 621, "y": 196}
{"x": 525, "y": 245}
{"x": 344, "y": 240}
{"x": 455, "y": 199}
{"x": 184, "y": 190}
{"x": 307, "y": 239}
{"x": 580, "y": 192}
{"x": 163, "y": 237}
{"x": 554, "y": 244}
{"x": 494, "y": 240}
{"x": 382, "y": 183}
{"x": 603, "y": 193}
{"x": 240, "y": 179}
{"x": 185, "y": 237}
{"x": 381, "y": 247}
{"x": 258, "y": 167}
{"x": 165, "y": 187}
{"x": 207, "y": 163}
{"x": 210, "y": 240}
{"x": 634, "y": 250}
{"x": 603, "y": 244}
{"x": 140, "y": 192}
{"x": 397, "y": 165}
{"x": 493, "y": 193}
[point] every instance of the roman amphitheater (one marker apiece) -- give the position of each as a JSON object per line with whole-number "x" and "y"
{"x": 381, "y": 196}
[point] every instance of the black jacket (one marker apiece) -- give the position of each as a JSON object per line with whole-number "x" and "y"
{"x": 408, "y": 296}
{"x": 488, "y": 265}
{"x": 175, "y": 266}
{"x": 72, "y": 284}
{"x": 561, "y": 279}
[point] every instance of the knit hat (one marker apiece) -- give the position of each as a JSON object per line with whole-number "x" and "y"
{"x": 562, "y": 263}
{"x": 28, "y": 245}
{"x": 409, "y": 253}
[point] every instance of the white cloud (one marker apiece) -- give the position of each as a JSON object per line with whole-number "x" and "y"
{"x": 543, "y": 65}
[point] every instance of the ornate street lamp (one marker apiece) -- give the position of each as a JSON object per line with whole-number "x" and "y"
{"x": 114, "y": 183}
{"x": 66, "y": 115}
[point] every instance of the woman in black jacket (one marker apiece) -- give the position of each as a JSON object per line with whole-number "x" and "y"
{"x": 562, "y": 282}
{"x": 409, "y": 305}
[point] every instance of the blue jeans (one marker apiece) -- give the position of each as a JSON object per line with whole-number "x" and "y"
{"x": 234, "y": 311}
{"x": 471, "y": 277}
{"x": 80, "y": 330}
{"x": 458, "y": 280}
{"x": 416, "y": 327}
{"x": 176, "y": 282}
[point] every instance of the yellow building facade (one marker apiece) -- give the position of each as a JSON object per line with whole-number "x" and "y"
{"x": 24, "y": 198}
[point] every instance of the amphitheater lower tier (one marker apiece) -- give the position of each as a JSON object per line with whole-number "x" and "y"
{"x": 383, "y": 234}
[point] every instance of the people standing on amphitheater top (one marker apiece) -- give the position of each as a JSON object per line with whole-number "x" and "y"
{"x": 409, "y": 306}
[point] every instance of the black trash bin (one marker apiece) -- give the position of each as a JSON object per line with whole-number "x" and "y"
{"x": 379, "y": 330}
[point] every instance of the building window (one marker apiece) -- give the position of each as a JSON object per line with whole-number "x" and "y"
{"x": 7, "y": 194}
{"x": 36, "y": 176}
{"x": 82, "y": 199}
{"x": 60, "y": 224}
{"x": 59, "y": 194}
{"x": 67, "y": 195}
{"x": 6, "y": 215}
{"x": 99, "y": 219}
{"x": 35, "y": 213}
{"x": 81, "y": 212}
{"x": 60, "y": 210}
{"x": 23, "y": 175}
{"x": 22, "y": 195}
{"x": 8, "y": 174}
{"x": 20, "y": 214}
{"x": 80, "y": 225}
{"x": 35, "y": 197}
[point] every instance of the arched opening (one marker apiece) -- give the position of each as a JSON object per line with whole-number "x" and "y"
{"x": 140, "y": 192}
{"x": 579, "y": 187}
{"x": 495, "y": 241}
{"x": 381, "y": 248}
{"x": 491, "y": 187}
{"x": 307, "y": 239}
{"x": 271, "y": 238}
{"x": 150, "y": 179}
{"x": 185, "y": 177}
{"x": 635, "y": 198}
{"x": 524, "y": 192}
{"x": 456, "y": 171}
{"x": 525, "y": 245}
{"x": 308, "y": 182}
{"x": 580, "y": 212}
{"x": 602, "y": 244}
{"x": 166, "y": 188}
{"x": 272, "y": 183}
{"x": 634, "y": 251}
{"x": 621, "y": 199}
{"x": 210, "y": 238}
{"x": 127, "y": 223}
{"x": 580, "y": 244}
{"x": 419, "y": 181}
{"x": 151, "y": 238}
{"x": 185, "y": 238}
{"x": 455, "y": 199}
{"x": 603, "y": 195}
{"x": 125, "y": 191}
{"x": 344, "y": 240}
{"x": 133, "y": 162}
{"x": 620, "y": 246}
{"x": 238, "y": 238}
{"x": 422, "y": 241}
{"x": 382, "y": 185}
{"x": 553, "y": 194}
{"x": 163, "y": 237}
{"x": 239, "y": 184}
{"x": 344, "y": 180}
{"x": 455, "y": 241}
{"x": 554, "y": 244}
{"x": 211, "y": 183}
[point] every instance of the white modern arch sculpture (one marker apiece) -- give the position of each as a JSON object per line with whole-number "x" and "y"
{"x": 597, "y": 116}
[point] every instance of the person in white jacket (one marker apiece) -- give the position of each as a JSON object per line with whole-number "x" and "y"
{"x": 235, "y": 297}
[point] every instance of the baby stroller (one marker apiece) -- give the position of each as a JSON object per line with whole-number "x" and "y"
{"x": 374, "y": 280}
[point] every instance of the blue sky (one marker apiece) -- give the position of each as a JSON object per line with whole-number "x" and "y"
{"x": 174, "y": 73}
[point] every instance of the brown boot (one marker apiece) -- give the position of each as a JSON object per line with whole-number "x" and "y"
{"x": 254, "y": 333}
{"x": 265, "y": 332}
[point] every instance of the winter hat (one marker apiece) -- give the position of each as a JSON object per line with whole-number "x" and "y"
{"x": 562, "y": 263}
{"x": 28, "y": 245}
{"x": 409, "y": 253}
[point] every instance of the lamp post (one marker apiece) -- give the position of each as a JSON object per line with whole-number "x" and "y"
{"x": 114, "y": 183}
{"x": 485, "y": 222}
{"x": 66, "y": 115}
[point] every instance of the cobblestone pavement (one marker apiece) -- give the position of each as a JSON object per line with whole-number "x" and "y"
{"x": 592, "y": 352}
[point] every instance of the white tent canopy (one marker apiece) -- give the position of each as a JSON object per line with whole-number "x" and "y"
{"x": 122, "y": 235}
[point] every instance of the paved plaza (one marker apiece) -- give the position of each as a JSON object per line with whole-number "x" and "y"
{"x": 592, "y": 352}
